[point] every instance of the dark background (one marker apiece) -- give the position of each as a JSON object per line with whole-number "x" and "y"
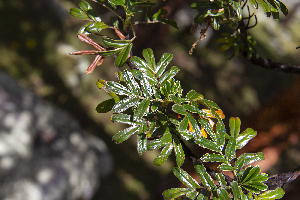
{"x": 37, "y": 36}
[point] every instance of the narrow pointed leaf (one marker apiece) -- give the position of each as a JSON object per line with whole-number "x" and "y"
{"x": 205, "y": 178}
{"x": 115, "y": 43}
{"x": 131, "y": 83}
{"x": 179, "y": 153}
{"x": 265, "y": 7}
{"x": 168, "y": 75}
{"x": 123, "y": 135}
{"x": 158, "y": 143}
{"x": 125, "y": 104}
{"x": 149, "y": 57}
{"x": 175, "y": 192}
{"x": 141, "y": 109}
{"x": 234, "y": 124}
{"x": 225, "y": 167}
{"x": 220, "y": 134}
{"x": 76, "y": 12}
{"x": 121, "y": 59}
{"x": 221, "y": 179}
{"x": 272, "y": 194}
{"x": 142, "y": 139}
{"x": 141, "y": 65}
{"x": 223, "y": 194}
{"x": 193, "y": 95}
{"x": 282, "y": 7}
{"x": 209, "y": 103}
{"x": 96, "y": 27}
{"x": 185, "y": 178}
{"x": 255, "y": 187}
{"x": 163, "y": 155}
{"x": 162, "y": 64}
{"x": 249, "y": 175}
{"x": 213, "y": 158}
{"x": 235, "y": 190}
{"x": 122, "y": 118}
{"x": 206, "y": 125}
{"x": 191, "y": 108}
{"x": 245, "y": 137}
{"x": 248, "y": 158}
{"x": 175, "y": 99}
{"x": 254, "y": 3}
{"x": 208, "y": 144}
{"x": 117, "y": 88}
{"x": 230, "y": 150}
{"x": 146, "y": 86}
{"x": 179, "y": 109}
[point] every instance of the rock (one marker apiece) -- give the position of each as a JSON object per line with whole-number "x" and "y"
{"x": 44, "y": 153}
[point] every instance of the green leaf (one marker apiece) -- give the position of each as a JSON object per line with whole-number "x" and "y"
{"x": 106, "y": 105}
{"x": 216, "y": 23}
{"x": 179, "y": 153}
{"x": 209, "y": 103}
{"x": 122, "y": 118}
{"x": 206, "y": 125}
{"x": 115, "y": 43}
{"x": 109, "y": 52}
{"x": 146, "y": 86}
{"x": 282, "y": 7}
{"x": 76, "y": 12}
{"x": 160, "y": 142}
{"x": 141, "y": 65}
{"x": 254, "y": 3}
{"x": 162, "y": 64}
{"x": 85, "y": 6}
{"x": 221, "y": 179}
{"x": 255, "y": 187}
{"x": 235, "y": 190}
{"x": 250, "y": 173}
{"x": 96, "y": 27}
{"x": 244, "y": 138}
{"x": 163, "y": 155}
{"x": 149, "y": 57}
{"x": 191, "y": 108}
{"x": 230, "y": 150}
{"x": 220, "y": 134}
{"x": 234, "y": 124}
{"x": 175, "y": 192}
{"x": 185, "y": 178}
{"x": 213, "y": 158}
{"x": 123, "y": 135}
{"x": 117, "y": 2}
{"x": 223, "y": 194}
{"x": 121, "y": 59}
{"x": 208, "y": 144}
{"x": 142, "y": 139}
{"x": 205, "y": 178}
{"x": 168, "y": 75}
{"x": 225, "y": 167}
{"x": 117, "y": 88}
{"x": 265, "y": 7}
{"x": 125, "y": 104}
{"x": 237, "y": 7}
{"x": 193, "y": 95}
{"x": 141, "y": 109}
{"x": 272, "y": 194}
{"x": 179, "y": 109}
{"x": 261, "y": 178}
{"x": 131, "y": 83}
{"x": 175, "y": 99}
{"x": 248, "y": 158}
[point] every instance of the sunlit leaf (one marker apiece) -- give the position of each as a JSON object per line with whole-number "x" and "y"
{"x": 121, "y": 59}
{"x": 142, "y": 139}
{"x": 208, "y": 144}
{"x": 160, "y": 142}
{"x": 225, "y": 167}
{"x": 185, "y": 178}
{"x": 179, "y": 153}
{"x": 141, "y": 109}
{"x": 115, "y": 43}
{"x": 164, "y": 154}
{"x": 123, "y": 135}
{"x": 193, "y": 95}
{"x": 179, "y": 109}
{"x": 220, "y": 134}
{"x": 234, "y": 124}
{"x": 131, "y": 83}
{"x": 117, "y": 88}
{"x": 122, "y": 118}
{"x": 235, "y": 190}
{"x": 209, "y": 103}
{"x": 162, "y": 64}
{"x": 205, "y": 178}
{"x": 221, "y": 179}
{"x": 76, "y": 12}
{"x": 168, "y": 75}
{"x": 230, "y": 150}
{"x": 175, "y": 192}
{"x": 244, "y": 138}
{"x": 141, "y": 65}
{"x": 149, "y": 57}
{"x": 96, "y": 27}
{"x": 272, "y": 194}
{"x": 213, "y": 158}
{"x": 125, "y": 104}
{"x": 250, "y": 173}
{"x": 255, "y": 187}
{"x": 191, "y": 108}
{"x": 223, "y": 194}
{"x": 208, "y": 128}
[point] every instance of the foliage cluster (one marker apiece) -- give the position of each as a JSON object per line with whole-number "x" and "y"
{"x": 150, "y": 100}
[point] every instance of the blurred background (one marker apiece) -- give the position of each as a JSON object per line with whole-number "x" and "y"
{"x": 37, "y": 36}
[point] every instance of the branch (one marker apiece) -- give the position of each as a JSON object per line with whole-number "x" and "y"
{"x": 281, "y": 180}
